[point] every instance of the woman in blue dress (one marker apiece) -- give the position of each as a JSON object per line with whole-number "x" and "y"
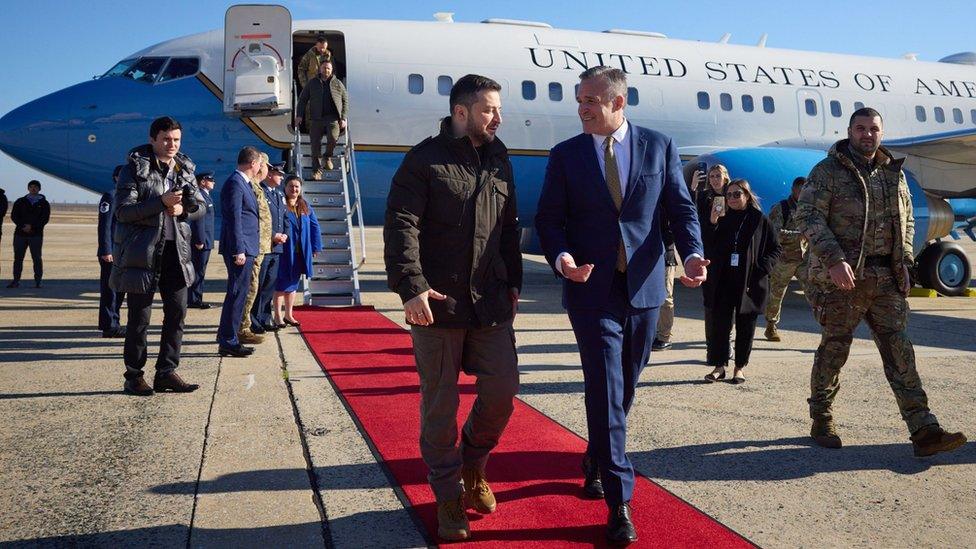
{"x": 304, "y": 240}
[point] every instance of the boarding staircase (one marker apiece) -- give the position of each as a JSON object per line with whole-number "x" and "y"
{"x": 338, "y": 208}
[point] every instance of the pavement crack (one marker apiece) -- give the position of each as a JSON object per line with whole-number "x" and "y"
{"x": 203, "y": 455}
{"x": 309, "y": 468}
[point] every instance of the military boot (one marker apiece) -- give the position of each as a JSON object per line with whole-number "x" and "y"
{"x": 477, "y": 491}
{"x": 772, "y": 334}
{"x": 825, "y": 434}
{"x": 452, "y": 523}
{"x": 932, "y": 439}
{"x": 247, "y": 336}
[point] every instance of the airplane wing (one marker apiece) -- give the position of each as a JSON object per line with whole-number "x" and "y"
{"x": 944, "y": 163}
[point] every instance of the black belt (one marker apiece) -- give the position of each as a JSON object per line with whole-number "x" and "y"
{"x": 877, "y": 261}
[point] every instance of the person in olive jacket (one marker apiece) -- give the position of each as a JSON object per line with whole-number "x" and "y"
{"x": 452, "y": 254}
{"x": 324, "y": 104}
{"x": 743, "y": 248}
{"x": 30, "y": 214}
{"x": 155, "y": 198}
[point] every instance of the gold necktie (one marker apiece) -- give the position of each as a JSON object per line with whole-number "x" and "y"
{"x": 613, "y": 185}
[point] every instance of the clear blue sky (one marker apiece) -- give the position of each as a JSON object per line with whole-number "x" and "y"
{"x": 49, "y": 45}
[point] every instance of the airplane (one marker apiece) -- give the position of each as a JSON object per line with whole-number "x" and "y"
{"x": 768, "y": 114}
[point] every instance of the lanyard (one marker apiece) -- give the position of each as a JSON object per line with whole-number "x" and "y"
{"x": 735, "y": 242}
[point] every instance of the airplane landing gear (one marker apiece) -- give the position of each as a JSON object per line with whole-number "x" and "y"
{"x": 944, "y": 267}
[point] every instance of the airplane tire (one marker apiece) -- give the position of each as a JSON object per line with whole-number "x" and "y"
{"x": 944, "y": 267}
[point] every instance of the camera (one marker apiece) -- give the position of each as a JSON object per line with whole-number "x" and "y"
{"x": 190, "y": 205}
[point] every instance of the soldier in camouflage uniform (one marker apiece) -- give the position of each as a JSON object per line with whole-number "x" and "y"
{"x": 249, "y": 332}
{"x": 784, "y": 222}
{"x": 856, "y": 213}
{"x": 308, "y": 66}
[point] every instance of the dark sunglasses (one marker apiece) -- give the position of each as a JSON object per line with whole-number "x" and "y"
{"x": 735, "y": 194}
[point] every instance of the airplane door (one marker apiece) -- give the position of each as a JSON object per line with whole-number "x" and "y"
{"x": 257, "y": 60}
{"x": 810, "y": 111}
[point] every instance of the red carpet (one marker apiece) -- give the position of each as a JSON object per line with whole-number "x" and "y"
{"x": 534, "y": 471}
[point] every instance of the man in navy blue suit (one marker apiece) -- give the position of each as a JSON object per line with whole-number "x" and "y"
{"x": 239, "y": 241}
{"x": 203, "y": 239}
{"x": 109, "y": 301}
{"x": 261, "y": 310}
{"x": 605, "y": 196}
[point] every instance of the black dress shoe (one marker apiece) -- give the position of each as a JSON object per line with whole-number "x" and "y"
{"x": 281, "y": 326}
{"x": 659, "y": 345}
{"x": 257, "y": 329}
{"x": 172, "y": 382}
{"x": 115, "y": 333}
{"x": 620, "y": 529}
{"x": 137, "y": 386}
{"x": 201, "y": 305}
{"x": 14, "y": 284}
{"x": 592, "y": 483}
{"x": 238, "y": 351}
{"x": 294, "y": 323}
{"x": 37, "y": 283}
{"x": 270, "y": 327}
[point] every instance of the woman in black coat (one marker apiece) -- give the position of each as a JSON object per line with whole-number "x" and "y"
{"x": 742, "y": 248}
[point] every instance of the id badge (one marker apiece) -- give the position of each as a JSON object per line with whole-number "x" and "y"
{"x": 734, "y": 260}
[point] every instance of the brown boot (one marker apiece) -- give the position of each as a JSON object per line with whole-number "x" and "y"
{"x": 932, "y": 439}
{"x": 452, "y": 523}
{"x": 247, "y": 336}
{"x": 172, "y": 382}
{"x": 772, "y": 334}
{"x": 477, "y": 491}
{"x": 137, "y": 386}
{"x": 328, "y": 164}
{"x": 825, "y": 434}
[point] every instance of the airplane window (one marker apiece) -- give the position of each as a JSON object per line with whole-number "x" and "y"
{"x": 747, "y": 103}
{"x": 576, "y": 91}
{"x": 957, "y": 116}
{"x": 180, "y": 67}
{"x": 146, "y": 70}
{"x": 811, "y": 107}
{"x": 444, "y": 85}
{"x": 858, "y": 105}
{"x": 768, "y": 105}
{"x": 939, "y": 115}
{"x": 120, "y": 68}
{"x": 555, "y": 91}
{"x": 703, "y": 101}
{"x": 835, "y": 109}
{"x": 920, "y": 113}
{"x": 633, "y": 96}
{"x": 415, "y": 84}
{"x": 726, "y": 101}
{"x": 528, "y": 90}
{"x": 972, "y": 113}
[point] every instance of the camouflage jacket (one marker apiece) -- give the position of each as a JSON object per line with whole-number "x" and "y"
{"x": 308, "y": 66}
{"x": 264, "y": 218}
{"x": 787, "y": 234}
{"x": 832, "y": 213}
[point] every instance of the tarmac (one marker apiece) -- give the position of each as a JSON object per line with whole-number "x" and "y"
{"x": 266, "y": 454}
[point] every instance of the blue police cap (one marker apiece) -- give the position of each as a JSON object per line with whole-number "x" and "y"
{"x": 205, "y": 175}
{"x": 279, "y": 167}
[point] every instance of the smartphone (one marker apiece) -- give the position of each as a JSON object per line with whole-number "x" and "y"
{"x": 703, "y": 171}
{"x": 718, "y": 204}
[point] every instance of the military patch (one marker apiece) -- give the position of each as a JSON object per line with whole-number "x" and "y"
{"x": 104, "y": 207}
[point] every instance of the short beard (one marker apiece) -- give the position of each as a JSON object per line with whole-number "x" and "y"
{"x": 863, "y": 152}
{"x": 478, "y": 133}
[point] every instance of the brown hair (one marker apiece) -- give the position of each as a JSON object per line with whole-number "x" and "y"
{"x": 752, "y": 199}
{"x": 301, "y": 206}
{"x": 721, "y": 169}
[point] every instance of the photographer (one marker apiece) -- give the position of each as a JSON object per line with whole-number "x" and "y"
{"x": 709, "y": 197}
{"x": 742, "y": 248}
{"x": 154, "y": 198}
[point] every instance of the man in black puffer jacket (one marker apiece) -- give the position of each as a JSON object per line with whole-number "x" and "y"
{"x": 155, "y": 197}
{"x": 30, "y": 214}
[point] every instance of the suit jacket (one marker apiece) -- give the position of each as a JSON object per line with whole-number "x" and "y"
{"x": 577, "y": 215}
{"x": 106, "y": 224}
{"x": 240, "y": 230}
{"x": 203, "y": 228}
{"x": 276, "y": 205}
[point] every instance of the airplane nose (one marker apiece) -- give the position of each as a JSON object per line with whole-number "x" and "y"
{"x": 37, "y": 133}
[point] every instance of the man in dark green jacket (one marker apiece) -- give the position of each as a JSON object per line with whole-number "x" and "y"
{"x": 452, "y": 254}
{"x": 325, "y": 103}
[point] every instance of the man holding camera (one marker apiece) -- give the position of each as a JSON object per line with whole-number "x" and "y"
{"x": 155, "y": 197}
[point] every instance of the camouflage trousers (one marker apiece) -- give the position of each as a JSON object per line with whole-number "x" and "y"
{"x": 252, "y": 292}
{"x": 877, "y": 300}
{"x": 665, "y": 319}
{"x": 779, "y": 281}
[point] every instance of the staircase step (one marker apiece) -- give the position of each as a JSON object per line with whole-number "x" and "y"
{"x": 325, "y": 200}
{"x": 331, "y": 272}
{"x": 335, "y": 241}
{"x": 332, "y": 228}
{"x": 333, "y": 257}
{"x": 331, "y": 287}
{"x": 323, "y": 187}
{"x": 331, "y": 300}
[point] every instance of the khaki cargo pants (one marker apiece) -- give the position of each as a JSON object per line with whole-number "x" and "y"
{"x": 441, "y": 353}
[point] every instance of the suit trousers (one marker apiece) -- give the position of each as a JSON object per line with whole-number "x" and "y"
{"x": 200, "y": 260}
{"x": 21, "y": 245}
{"x": 441, "y": 353}
{"x": 614, "y": 343}
{"x": 172, "y": 289}
{"x": 238, "y": 283}
{"x": 252, "y": 292}
{"x": 261, "y": 311}
{"x": 718, "y": 327}
{"x": 109, "y": 301}
{"x": 317, "y": 129}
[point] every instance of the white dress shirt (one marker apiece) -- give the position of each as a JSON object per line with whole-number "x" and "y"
{"x": 621, "y": 151}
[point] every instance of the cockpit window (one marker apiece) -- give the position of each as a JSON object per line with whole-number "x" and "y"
{"x": 180, "y": 67}
{"x": 120, "y": 68}
{"x": 146, "y": 70}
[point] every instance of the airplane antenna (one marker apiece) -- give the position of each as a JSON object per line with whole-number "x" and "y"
{"x": 911, "y": 56}
{"x": 444, "y": 16}
{"x": 762, "y": 40}
{"x": 725, "y": 38}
